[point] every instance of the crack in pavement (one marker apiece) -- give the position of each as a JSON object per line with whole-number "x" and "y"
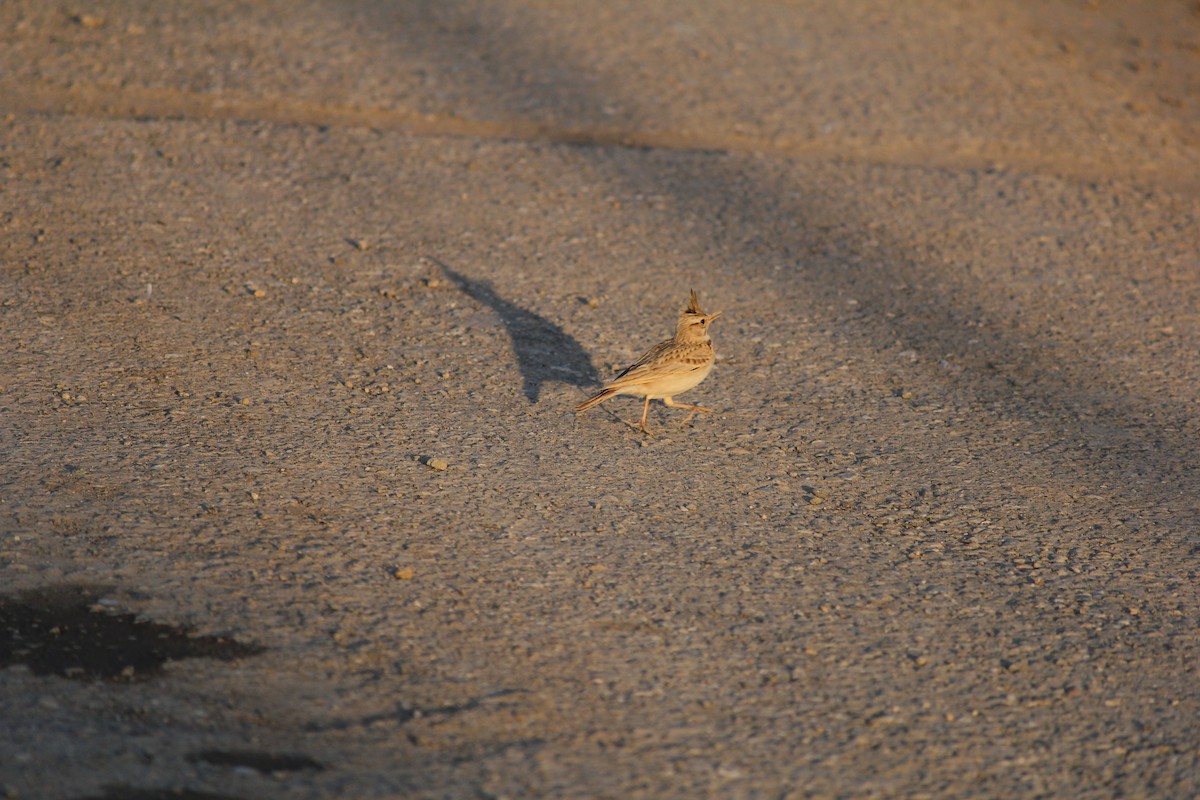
{"x": 141, "y": 102}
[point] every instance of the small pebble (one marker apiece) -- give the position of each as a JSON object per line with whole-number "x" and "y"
{"x": 439, "y": 464}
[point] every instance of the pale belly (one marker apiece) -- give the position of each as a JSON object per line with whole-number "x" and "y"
{"x": 668, "y": 385}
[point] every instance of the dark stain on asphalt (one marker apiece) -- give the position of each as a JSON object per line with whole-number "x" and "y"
{"x": 130, "y": 793}
{"x": 64, "y": 631}
{"x": 266, "y": 763}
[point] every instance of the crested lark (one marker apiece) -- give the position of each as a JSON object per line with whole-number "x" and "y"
{"x": 669, "y": 368}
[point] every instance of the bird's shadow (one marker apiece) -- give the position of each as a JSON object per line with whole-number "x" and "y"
{"x": 544, "y": 351}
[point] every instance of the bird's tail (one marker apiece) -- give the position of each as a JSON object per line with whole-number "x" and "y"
{"x": 595, "y": 399}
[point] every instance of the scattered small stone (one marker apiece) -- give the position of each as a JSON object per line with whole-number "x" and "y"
{"x": 605, "y": 501}
{"x": 403, "y": 573}
{"x": 90, "y": 21}
{"x": 440, "y": 464}
{"x": 359, "y": 244}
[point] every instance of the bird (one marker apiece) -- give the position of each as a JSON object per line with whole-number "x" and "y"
{"x": 667, "y": 369}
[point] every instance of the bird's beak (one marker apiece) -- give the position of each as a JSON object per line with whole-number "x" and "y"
{"x": 711, "y": 317}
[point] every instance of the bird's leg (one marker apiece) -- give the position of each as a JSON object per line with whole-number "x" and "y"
{"x": 645, "y": 411}
{"x": 694, "y": 409}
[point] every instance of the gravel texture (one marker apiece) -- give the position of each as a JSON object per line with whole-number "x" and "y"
{"x": 297, "y": 299}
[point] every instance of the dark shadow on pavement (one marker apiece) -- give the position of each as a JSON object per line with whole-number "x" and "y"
{"x": 544, "y": 351}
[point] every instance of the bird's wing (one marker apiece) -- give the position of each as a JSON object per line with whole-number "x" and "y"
{"x": 647, "y": 358}
{"x": 662, "y": 359}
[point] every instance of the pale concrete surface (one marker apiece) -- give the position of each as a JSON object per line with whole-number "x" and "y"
{"x": 940, "y": 539}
